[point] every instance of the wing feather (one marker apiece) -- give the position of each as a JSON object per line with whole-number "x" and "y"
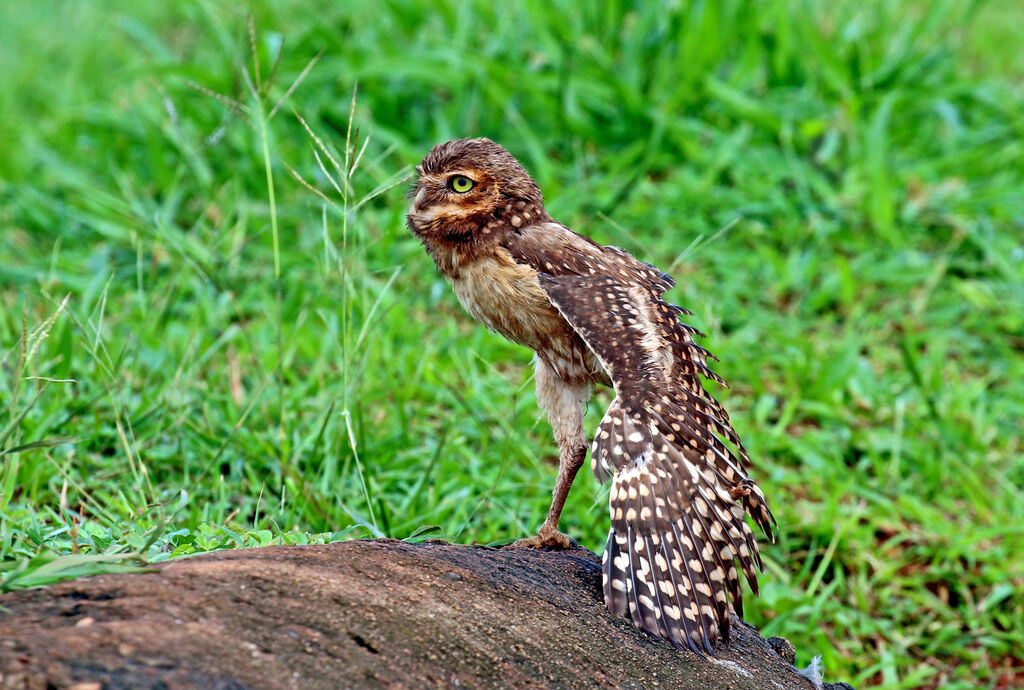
{"x": 679, "y": 493}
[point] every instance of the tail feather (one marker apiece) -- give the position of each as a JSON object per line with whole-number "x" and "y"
{"x": 720, "y": 601}
{"x": 677, "y": 513}
{"x": 700, "y": 607}
{"x": 676, "y": 554}
{"x": 616, "y": 569}
{"x": 724, "y": 573}
{"x": 641, "y": 585}
{"x": 664, "y": 550}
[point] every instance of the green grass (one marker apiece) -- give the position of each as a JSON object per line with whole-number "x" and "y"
{"x": 197, "y": 352}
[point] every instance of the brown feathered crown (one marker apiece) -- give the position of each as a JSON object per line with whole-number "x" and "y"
{"x": 467, "y": 155}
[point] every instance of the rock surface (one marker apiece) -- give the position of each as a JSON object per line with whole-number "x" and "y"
{"x": 357, "y": 614}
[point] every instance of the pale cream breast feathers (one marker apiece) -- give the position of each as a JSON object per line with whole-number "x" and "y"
{"x": 488, "y": 286}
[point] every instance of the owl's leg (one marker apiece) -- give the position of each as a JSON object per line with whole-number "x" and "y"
{"x": 563, "y": 402}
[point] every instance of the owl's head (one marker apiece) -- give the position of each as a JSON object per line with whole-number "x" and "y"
{"x": 468, "y": 187}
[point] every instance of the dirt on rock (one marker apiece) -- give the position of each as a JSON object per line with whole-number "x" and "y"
{"x": 358, "y": 614}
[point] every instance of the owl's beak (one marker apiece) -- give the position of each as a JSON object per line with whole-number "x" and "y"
{"x": 417, "y": 200}
{"x": 418, "y": 194}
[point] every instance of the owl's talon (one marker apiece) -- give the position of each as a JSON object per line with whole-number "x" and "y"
{"x": 547, "y": 539}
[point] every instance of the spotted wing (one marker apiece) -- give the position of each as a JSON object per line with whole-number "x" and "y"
{"x": 677, "y": 523}
{"x": 555, "y": 250}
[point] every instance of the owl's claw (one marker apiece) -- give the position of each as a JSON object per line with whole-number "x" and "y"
{"x": 547, "y": 538}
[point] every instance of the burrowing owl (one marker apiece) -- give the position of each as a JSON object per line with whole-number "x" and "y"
{"x": 594, "y": 314}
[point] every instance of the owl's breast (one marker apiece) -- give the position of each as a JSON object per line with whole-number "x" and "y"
{"x": 507, "y": 298}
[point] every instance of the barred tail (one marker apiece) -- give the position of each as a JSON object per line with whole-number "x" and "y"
{"x": 677, "y": 528}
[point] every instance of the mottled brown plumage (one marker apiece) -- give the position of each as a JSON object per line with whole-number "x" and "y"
{"x": 594, "y": 314}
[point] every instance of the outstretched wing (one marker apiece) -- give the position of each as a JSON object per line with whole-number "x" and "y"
{"x": 678, "y": 491}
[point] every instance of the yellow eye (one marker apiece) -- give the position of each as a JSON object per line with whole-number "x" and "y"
{"x": 460, "y": 184}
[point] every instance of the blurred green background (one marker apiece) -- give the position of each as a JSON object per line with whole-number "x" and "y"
{"x": 199, "y": 352}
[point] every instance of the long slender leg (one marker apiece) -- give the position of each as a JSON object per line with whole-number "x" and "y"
{"x": 563, "y": 400}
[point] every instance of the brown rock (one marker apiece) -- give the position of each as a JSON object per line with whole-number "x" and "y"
{"x": 357, "y": 614}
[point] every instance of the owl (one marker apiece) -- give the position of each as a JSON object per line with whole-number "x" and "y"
{"x": 595, "y": 315}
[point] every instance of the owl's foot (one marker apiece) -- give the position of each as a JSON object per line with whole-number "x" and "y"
{"x": 547, "y": 538}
